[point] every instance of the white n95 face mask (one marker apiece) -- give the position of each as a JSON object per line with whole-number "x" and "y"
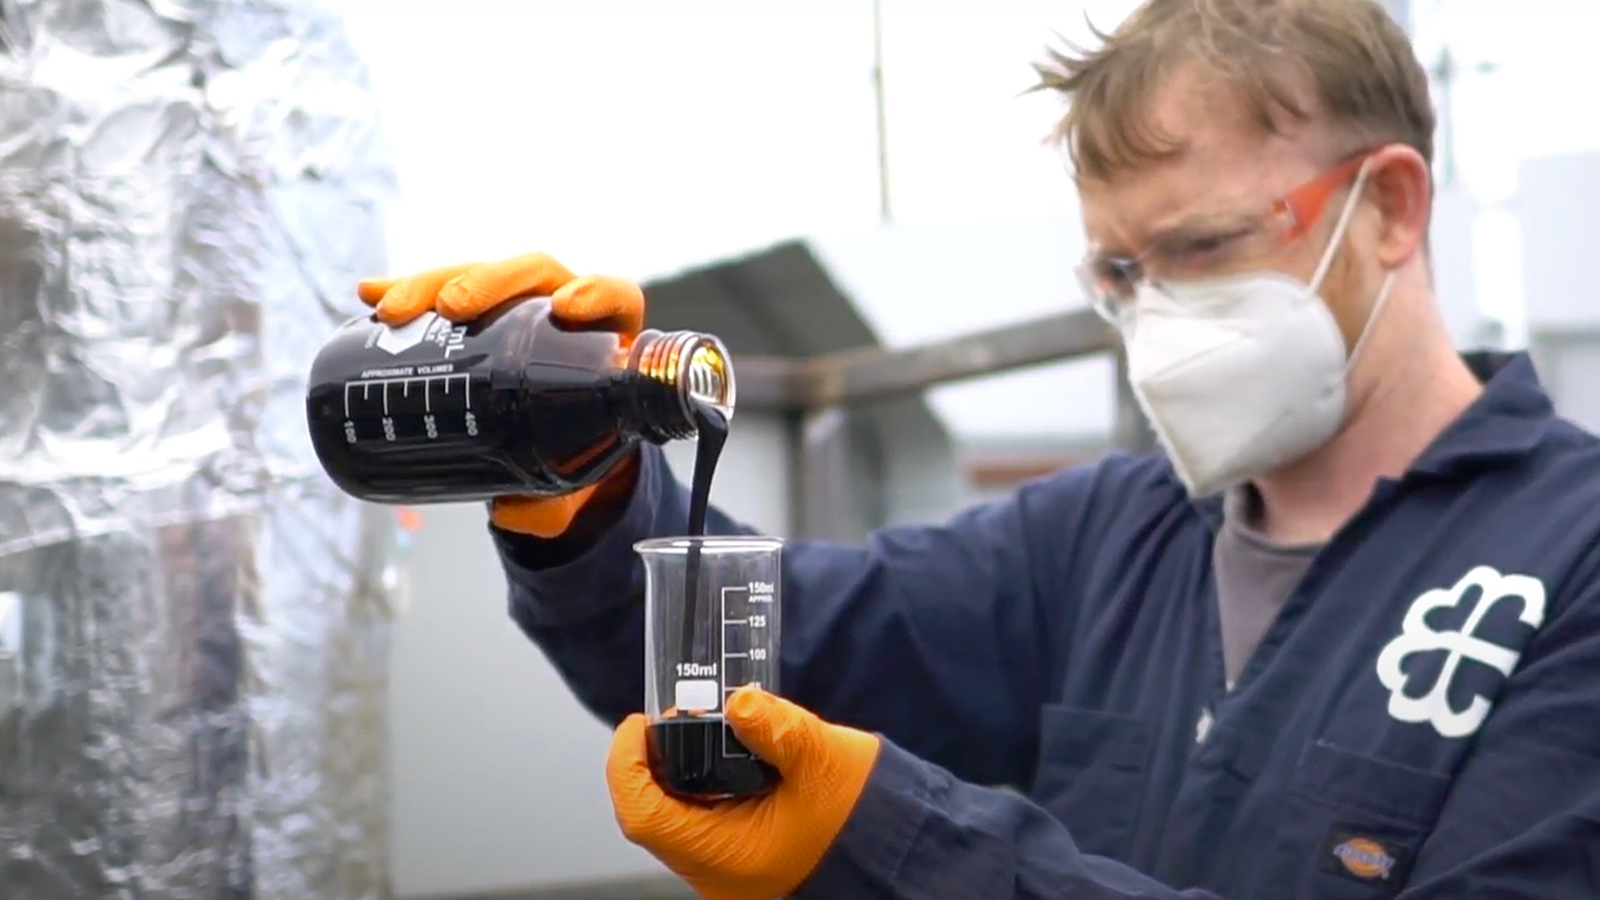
{"x": 1241, "y": 375}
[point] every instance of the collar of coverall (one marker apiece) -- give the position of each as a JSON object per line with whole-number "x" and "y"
{"x": 1505, "y": 424}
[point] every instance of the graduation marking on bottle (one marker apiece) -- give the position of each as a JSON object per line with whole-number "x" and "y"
{"x": 420, "y": 400}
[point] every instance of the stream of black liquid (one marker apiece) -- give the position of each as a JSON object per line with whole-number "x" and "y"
{"x": 690, "y": 757}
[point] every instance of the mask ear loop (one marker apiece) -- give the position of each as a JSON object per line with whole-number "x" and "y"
{"x": 1340, "y": 227}
{"x": 1384, "y": 291}
{"x": 1378, "y": 304}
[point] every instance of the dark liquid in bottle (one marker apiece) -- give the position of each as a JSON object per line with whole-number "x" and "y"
{"x": 511, "y": 403}
{"x": 700, "y": 759}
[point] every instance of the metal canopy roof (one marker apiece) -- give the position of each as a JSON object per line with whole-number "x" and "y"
{"x": 775, "y": 302}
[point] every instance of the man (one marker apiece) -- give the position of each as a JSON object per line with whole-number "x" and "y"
{"x": 1341, "y": 640}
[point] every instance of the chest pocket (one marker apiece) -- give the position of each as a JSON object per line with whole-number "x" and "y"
{"x": 1352, "y": 825}
{"x": 1093, "y": 767}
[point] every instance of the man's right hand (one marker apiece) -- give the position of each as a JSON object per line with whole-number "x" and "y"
{"x": 463, "y": 292}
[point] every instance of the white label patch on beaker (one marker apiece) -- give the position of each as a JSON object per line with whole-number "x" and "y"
{"x": 698, "y": 695}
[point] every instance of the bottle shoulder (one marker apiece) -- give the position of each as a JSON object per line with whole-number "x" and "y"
{"x": 524, "y": 334}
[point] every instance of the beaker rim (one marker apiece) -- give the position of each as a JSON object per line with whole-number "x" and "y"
{"x": 711, "y": 544}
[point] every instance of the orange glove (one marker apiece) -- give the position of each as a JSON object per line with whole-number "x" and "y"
{"x": 461, "y": 293}
{"x": 760, "y": 848}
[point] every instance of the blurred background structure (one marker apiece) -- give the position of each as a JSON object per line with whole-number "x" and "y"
{"x": 194, "y": 622}
{"x": 811, "y": 177}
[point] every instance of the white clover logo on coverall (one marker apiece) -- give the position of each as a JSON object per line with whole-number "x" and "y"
{"x": 1417, "y": 636}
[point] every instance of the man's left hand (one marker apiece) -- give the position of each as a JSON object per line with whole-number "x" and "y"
{"x": 760, "y": 848}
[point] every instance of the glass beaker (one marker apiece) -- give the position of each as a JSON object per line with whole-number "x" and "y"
{"x": 712, "y": 622}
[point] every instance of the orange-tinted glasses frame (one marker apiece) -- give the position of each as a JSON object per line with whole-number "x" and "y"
{"x": 1307, "y": 203}
{"x": 1300, "y": 208}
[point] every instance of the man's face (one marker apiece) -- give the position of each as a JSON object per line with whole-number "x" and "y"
{"x": 1230, "y": 171}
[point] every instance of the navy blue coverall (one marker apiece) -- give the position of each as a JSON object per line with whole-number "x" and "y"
{"x": 1422, "y": 720}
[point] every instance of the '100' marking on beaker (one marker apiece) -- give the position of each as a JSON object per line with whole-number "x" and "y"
{"x": 754, "y": 592}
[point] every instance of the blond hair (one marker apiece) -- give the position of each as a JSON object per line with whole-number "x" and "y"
{"x": 1346, "y": 61}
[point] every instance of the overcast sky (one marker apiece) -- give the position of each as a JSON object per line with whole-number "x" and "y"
{"x": 629, "y": 138}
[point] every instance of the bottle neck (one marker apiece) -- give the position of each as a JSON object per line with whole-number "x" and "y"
{"x": 670, "y": 375}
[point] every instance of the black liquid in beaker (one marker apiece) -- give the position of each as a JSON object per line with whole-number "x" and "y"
{"x": 701, "y": 759}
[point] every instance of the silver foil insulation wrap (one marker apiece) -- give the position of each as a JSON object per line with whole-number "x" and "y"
{"x": 193, "y": 621}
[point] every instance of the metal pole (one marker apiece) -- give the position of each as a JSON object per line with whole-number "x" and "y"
{"x": 885, "y": 209}
{"x": 822, "y": 492}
